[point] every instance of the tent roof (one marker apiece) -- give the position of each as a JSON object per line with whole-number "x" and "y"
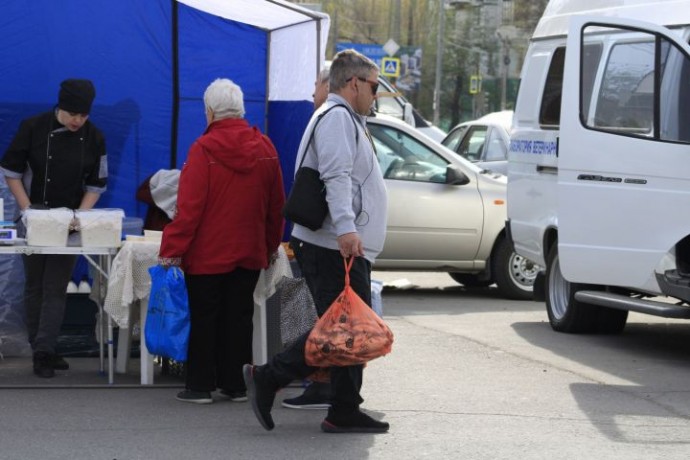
{"x": 263, "y": 14}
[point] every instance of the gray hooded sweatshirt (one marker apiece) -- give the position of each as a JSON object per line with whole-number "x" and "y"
{"x": 355, "y": 190}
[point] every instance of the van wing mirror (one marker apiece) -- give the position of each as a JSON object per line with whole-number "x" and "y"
{"x": 456, "y": 177}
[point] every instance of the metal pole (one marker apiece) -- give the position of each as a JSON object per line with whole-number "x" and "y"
{"x": 439, "y": 64}
{"x": 504, "y": 77}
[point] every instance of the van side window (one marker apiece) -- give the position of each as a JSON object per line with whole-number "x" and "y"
{"x": 625, "y": 103}
{"x": 674, "y": 119}
{"x": 550, "y": 112}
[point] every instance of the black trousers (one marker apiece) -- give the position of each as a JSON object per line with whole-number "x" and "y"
{"x": 45, "y": 297}
{"x": 220, "y": 337}
{"x": 324, "y": 271}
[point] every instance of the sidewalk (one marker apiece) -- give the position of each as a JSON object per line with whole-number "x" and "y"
{"x": 148, "y": 423}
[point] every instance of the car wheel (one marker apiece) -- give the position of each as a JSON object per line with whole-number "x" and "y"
{"x": 470, "y": 280}
{"x": 514, "y": 275}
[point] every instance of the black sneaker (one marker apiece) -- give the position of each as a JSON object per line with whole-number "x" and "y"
{"x": 197, "y": 397}
{"x": 43, "y": 365}
{"x": 261, "y": 394}
{"x": 234, "y": 396}
{"x": 356, "y": 422}
{"x": 315, "y": 396}
{"x": 59, "y": 363}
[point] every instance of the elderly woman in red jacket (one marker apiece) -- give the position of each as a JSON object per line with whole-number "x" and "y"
{"x": 227, "y": 228}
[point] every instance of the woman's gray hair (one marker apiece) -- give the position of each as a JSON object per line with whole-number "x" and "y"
{"x": 348, "y": 64}
{"x": 324, "y": 75}
{"x": 225, "y": 99}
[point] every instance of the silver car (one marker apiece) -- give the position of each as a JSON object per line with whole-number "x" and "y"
{"x": 483, "y": 141}
{"x": 445, "y": 213}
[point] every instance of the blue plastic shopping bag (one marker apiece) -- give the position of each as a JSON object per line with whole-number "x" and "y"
{"x": 167, "y": 320}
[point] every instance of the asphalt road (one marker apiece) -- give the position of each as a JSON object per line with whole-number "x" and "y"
{"x": 471, "y": 376}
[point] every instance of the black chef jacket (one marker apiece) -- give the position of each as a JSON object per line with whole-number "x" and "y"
{"x": 56, "y": 165}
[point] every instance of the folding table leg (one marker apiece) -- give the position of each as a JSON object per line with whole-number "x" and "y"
{"x": 259, "y": 339}
{"x": 101, "y": 337}
{"x": 146, "y": 358}
{"x": 111, "y": 376}
{"x": 124, "y": 345}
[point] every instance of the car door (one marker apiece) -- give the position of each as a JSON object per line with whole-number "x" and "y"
{"x": 624, "y": 152}
{"x": 430, "y": 223}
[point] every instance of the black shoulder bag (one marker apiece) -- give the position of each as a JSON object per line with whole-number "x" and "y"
{"x": 306, "y": 204}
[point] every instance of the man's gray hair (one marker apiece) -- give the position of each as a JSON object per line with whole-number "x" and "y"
{"x": 348, "y": 64}
{"x": 225, "y": 99}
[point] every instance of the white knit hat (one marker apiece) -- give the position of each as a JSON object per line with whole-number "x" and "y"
{"x": 163, "y": 187}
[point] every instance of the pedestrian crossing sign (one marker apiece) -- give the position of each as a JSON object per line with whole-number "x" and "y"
{"x": 475, "y": 84}
{"x": 390, "y": 67}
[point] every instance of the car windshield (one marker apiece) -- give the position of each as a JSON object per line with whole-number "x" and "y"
{"x": 402, "y": 157}
{"x": 454, "y": 138}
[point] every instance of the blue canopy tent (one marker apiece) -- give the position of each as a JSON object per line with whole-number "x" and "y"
{"x": 151, "y": 62}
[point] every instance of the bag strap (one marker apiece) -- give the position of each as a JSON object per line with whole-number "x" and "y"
{"x": 348, "y": 265}
{"x": 318, "y": 119}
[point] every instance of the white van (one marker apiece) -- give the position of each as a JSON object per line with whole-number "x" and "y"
{"x": 599, "y": 162}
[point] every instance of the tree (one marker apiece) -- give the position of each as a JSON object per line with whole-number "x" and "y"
{"x": 468, "y": 46}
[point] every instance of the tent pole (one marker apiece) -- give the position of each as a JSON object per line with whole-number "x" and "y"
{"x": 268, "y": 82}
{"x": 318, "y": 48}
{"x": 175, "y": 86}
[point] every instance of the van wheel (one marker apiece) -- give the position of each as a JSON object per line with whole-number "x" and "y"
{"x": 514, "y": 275}
{"x": 565, "y": 313}
{"x": 470, "y": 280}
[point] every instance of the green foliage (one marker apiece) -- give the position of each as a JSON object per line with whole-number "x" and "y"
{"x": 415, "y": 23}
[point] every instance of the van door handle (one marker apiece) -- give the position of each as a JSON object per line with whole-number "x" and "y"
{"x": 547, "y": 169}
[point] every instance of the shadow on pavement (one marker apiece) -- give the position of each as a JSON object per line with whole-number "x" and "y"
{"x": 451, "y": 301}
{"x": 653, "y": 357}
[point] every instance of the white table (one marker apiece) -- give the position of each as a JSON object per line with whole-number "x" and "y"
{"x": 129, "y": 282}
{"x": 102, "y": 266}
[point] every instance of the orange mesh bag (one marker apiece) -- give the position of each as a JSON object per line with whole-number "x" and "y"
{"x": 348, "y": 333}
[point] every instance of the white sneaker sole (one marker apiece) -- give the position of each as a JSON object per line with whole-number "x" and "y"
{"x": 196, "y": 401}
{"x": 306, "y": 406}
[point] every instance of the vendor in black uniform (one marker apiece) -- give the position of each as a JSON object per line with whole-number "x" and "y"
{"x": 56, "y": 160}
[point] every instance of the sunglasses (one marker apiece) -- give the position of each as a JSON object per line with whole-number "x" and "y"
{"x": 374, "y": 85}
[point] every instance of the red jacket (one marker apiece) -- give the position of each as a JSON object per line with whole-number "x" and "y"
{"x": 229, "y": 202}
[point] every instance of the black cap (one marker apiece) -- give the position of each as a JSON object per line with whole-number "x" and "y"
{"x": 76, "y": 96}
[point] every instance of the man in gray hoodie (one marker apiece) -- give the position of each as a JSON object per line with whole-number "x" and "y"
{"x": 343, "y": 153}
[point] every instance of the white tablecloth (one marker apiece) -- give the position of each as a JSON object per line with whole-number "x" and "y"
{"x": 129, "y": 279}
{"x": 130, "y": 282}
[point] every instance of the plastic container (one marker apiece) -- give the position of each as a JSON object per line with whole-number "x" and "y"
{"x": 47, "y": 227}
{"x": 132, "y": 226}
{"x": 100, "y": 227}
